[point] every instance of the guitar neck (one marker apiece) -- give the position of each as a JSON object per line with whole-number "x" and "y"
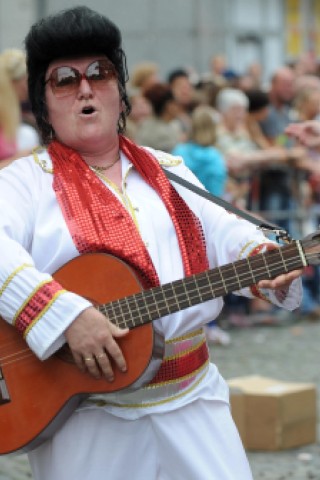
{"x": 148, "y": 305}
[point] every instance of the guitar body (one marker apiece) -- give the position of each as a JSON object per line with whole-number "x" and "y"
{"x": 36, "y": 397}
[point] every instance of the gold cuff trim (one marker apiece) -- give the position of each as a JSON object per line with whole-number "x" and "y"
{"x": 13, "y": 274}
{"x": 240, "y": 256}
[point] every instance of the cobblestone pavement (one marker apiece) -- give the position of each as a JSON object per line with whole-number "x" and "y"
{"x": 287, "y": 352}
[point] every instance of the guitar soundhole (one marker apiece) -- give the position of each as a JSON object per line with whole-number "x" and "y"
{"x": 4, "y": 394}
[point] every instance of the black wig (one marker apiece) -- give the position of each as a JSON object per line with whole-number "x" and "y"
{"x": 74, "y": 32}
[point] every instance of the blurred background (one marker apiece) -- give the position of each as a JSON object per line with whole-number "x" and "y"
{"x": 190, "y": 32}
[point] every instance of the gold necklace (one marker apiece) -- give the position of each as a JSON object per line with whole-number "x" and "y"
{"x": 99, "y": 169}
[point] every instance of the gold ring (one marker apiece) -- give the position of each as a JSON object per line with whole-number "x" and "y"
{"x": 89, "y": 359}
{"x": 101, "y": 355}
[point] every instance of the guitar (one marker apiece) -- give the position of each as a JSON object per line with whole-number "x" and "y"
{"x": 36, "y": 397}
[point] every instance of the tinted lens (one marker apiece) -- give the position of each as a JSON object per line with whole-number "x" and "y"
{"x": 64, "y": 80}
{"x": 100, "y": 71}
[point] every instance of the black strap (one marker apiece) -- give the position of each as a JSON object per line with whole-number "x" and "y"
{"x": 262, "y": 225}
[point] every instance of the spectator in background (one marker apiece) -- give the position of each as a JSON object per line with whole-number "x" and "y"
{"x": 281, "y": 94}
{"x": 307, "y": 103}
{"x": 277, "y": 155}
{"x": 9, "y": 118}
{"x": 233, "y": 140}
{"x": 276, "y": 181}
{"x": 307, "y": 108}
{"x": 246, "y": 82}
{"x": 304, "y": 82}
{"x": 257, "y": 112}
{"x": 141, "y": 109}
{"x": 207, "y": 163}
{"x": 307, "y": 64}
{"x": 144, "y": 75}
{"x": 14, "y": 63}
{"x": 255, "y": 72}
{"x": 161, "y": 130}
{"x": 218, "y": 66}
{"x": 251, "y": 79}
{"x": 242, "y": 152}
{"x": 200, "y": 153}
{"x": 185, "y": 95}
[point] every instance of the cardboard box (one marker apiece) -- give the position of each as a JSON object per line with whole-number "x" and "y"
{"x": 272, "y": 414}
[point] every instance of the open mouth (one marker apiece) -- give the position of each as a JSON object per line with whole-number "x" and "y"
{"x": 87, "y": 110}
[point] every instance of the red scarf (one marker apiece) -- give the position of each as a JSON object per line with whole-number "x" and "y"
{"x": 98, "y": 222}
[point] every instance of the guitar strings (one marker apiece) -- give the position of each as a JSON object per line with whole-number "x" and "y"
{"x": 152, "y": 313}
{"x": 131, "y": 302}
{"x": 20, "y": 355}
{"x": 5, "y": 362}
{"x": 8, "y": 345}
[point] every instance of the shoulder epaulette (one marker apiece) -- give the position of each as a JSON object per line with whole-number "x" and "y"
{"x": 168, "y": 160}
{"x": 42, "y": 163}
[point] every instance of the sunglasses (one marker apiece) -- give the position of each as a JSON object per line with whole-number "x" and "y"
{"x": 66, "y": 80}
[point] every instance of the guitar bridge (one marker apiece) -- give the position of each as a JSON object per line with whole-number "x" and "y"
{"x": 4, "y": 394}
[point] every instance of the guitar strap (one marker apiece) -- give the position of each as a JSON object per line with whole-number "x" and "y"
{"x": 267, "y": 228}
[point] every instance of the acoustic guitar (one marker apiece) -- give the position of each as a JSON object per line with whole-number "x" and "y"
{"x": 36, "y": 397}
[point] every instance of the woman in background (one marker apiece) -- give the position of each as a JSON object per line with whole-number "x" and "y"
{"x": 14, "y": 64}
{"x": 200, "y": 153}
{"x": 9, "y": 118}
{"x": 160, "y": 130}
{"x": 207, "y": 163}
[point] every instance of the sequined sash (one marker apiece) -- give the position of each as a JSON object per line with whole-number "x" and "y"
{"x": 97, "y": 220}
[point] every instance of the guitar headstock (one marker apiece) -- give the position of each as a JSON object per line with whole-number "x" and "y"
{"x": 311, "y": 248}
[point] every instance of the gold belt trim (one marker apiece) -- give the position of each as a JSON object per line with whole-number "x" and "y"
{"x": 167, "y": 391}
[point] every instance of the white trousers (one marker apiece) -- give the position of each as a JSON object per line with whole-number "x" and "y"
{"x": 196, "y": 442}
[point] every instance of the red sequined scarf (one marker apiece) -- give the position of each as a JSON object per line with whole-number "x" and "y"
{"x": 98, "y": 222}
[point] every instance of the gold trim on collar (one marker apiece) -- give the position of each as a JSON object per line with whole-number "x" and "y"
{"x": 42, "y": 163}
{"x": 168, "y": 160}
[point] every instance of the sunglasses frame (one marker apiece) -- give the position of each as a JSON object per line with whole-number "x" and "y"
{"x": 72, "y": 87}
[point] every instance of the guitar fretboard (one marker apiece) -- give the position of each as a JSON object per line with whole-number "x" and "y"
{"x": 148, "y": 305}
